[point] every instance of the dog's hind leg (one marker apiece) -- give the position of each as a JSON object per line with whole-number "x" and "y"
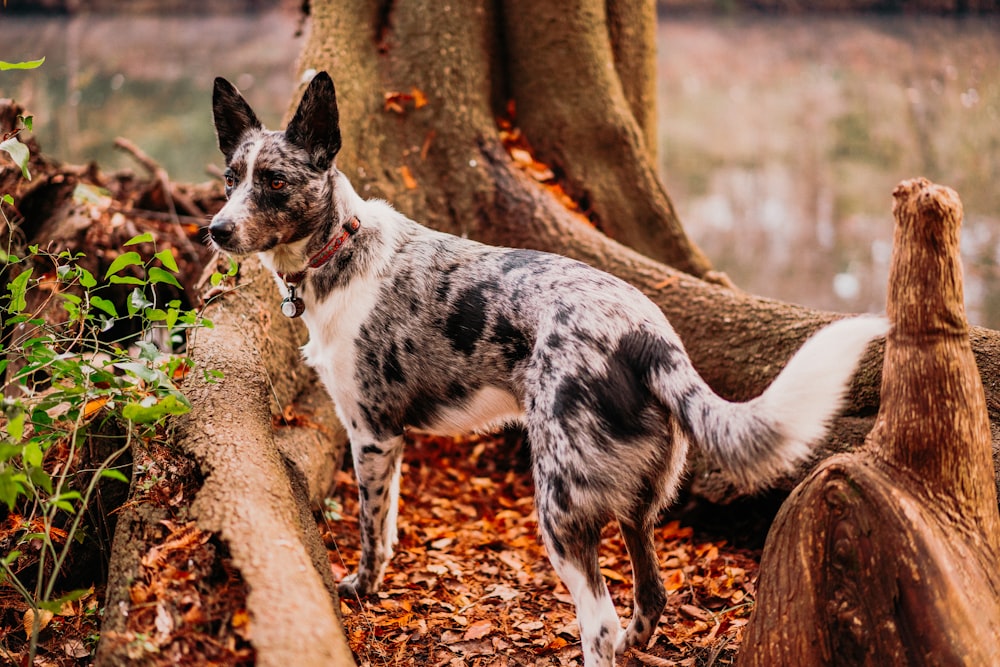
{"x": 650, "y": 596}
{"x": 377, "y": 469}
{"x": 572, "y": 551}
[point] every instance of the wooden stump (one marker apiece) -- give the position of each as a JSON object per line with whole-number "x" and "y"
{"x": 888, "y": 555}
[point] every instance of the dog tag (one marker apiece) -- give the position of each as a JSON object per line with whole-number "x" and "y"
{"x": 292, "y": 306}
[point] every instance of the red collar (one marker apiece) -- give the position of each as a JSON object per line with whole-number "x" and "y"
{"x": 325, "y": 253}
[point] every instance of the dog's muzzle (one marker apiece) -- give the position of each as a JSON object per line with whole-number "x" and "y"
{"x": 221, "y": 230}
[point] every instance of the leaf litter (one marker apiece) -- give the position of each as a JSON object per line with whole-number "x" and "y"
{"x": 470, "y": 583}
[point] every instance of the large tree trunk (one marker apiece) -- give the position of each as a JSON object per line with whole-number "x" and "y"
{"x": 888, "y": 555}
{"x": 443, "y": 163}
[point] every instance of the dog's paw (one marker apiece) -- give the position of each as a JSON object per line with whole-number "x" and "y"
{"x": 636, "y": 634}
{"x": 355, "y": 585}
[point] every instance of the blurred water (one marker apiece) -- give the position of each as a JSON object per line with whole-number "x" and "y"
{"x": 781, "y": 139}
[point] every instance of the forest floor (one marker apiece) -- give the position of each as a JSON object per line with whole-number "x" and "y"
{"x": 470, "y": 583}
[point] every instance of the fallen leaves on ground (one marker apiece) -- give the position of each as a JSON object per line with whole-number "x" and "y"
{"x": 470, "y": 583}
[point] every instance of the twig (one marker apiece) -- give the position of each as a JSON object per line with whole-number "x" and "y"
{"x": 651, "y": 660}
{"x": 173, "y": 196}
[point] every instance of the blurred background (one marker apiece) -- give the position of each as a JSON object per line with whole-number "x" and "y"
{"x": 782, "y": 133}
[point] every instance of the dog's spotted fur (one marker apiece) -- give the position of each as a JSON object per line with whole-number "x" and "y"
{"x": 413, "y": 328}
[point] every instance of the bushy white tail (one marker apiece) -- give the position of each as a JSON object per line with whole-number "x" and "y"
{"x": 756, "y": 441}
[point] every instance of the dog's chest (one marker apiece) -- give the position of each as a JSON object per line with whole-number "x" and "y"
{"x": 334, "y": 325}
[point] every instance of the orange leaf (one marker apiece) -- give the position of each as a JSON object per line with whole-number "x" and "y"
{"x": 419, "y": 98}
{"x": 478, "y": 630}
{"x": 612, "y": 575}
{"x": 674, "y": 581}
{"x": 408, "y": 180}
{"x": 94, "y": 405}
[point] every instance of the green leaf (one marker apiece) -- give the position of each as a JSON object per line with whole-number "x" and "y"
{"x": 148, "y": 413}
{"x": 137, "y": 301}
{"x": 28, "y": 64}
{"x": 40, "y": 478}
{"x": 141, "y": 371}
{"x": 148, "y": 350}
{"x": 27, "y": 121}
{"x": 56, "y": 605}
{"x": 146, "y": 237}
{"x": 156, "y": 315}
{"x": 32, "y": 455}
{"x": 7, "y": 199}
{"x": 17, "y": 288}
{"x": 18, "y": 153}
{"x": 10, "y": 488}
{"x": 15, "y": 427}
{"x": 111, "y": 473}
{"x": 167, "y": 259}
{"x": 172, "y": 315}
{"x": 123, "y": 260}
{"x": 87, "y": 278}
{"x": 126, "y": 280}
{"x": 103, "y": 304}
{"x": 158, "y": 275}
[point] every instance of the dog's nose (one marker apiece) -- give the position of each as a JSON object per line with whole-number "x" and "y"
{"x": 221, "y": 230}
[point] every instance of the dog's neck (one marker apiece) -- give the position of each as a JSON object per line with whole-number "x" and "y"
{"x": 325, "y": 253}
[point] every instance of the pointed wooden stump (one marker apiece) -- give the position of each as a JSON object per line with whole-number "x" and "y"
{"x": 889, "y": 555}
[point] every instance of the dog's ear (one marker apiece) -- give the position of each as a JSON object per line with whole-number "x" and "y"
{"x": 316, "y": 124}
{"x": 233, "y": 116}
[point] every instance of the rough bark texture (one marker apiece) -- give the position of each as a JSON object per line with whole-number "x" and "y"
{"x": 259, "y": 481}
{"x": 888, "y": 555}
{"x": 254, "y": 495}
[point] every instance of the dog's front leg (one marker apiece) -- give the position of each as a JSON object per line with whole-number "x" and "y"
{"x": 377, "y": 468}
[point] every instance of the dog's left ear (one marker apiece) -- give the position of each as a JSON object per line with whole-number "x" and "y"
{"x": 316, "y": 124}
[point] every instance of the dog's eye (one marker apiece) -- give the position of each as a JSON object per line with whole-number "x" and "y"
{"x": 230, "y": 180}
{"x": 277, "y": 183}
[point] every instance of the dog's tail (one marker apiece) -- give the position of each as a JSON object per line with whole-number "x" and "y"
{"x": 755, "y": 442}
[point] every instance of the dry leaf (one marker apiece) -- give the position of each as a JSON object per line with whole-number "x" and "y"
{"x": 44, "y": 616}
{"x": 408, "y": 180}
{"x": 419, "y": 98}
{"x": 478, "y": 630}
{"x": 93, "y": 405}
{"x": 74, "y": 648}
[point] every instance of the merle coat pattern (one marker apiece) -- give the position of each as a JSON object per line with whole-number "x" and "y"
{"x": 414, "y": 328}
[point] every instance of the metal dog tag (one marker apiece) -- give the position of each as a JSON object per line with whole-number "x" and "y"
{"x": 292, "y": 306}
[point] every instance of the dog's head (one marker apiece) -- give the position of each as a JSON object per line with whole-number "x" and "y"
{"x": 278, "y": 184}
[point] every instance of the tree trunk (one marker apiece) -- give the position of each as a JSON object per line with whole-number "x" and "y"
{"x": 888, "y": 555}
{"x": 443, "y": 163}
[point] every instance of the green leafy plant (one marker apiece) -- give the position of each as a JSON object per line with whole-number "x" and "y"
{"x": 9, "y": 141}
{"x": 68, "y": 382}
{"x": 71, "y": 383}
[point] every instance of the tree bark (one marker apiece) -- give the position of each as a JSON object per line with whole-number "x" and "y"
{"x": 258, "y": 480}
{"x": 888, "y": 555}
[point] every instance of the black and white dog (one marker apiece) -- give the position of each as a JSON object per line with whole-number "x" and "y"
{"x": 409, "y": 327}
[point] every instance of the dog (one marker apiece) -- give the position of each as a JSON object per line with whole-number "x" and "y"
{"x": 413, "y": 328}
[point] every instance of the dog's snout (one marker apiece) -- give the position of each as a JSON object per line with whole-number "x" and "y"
{"x": 221, "y": 230}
